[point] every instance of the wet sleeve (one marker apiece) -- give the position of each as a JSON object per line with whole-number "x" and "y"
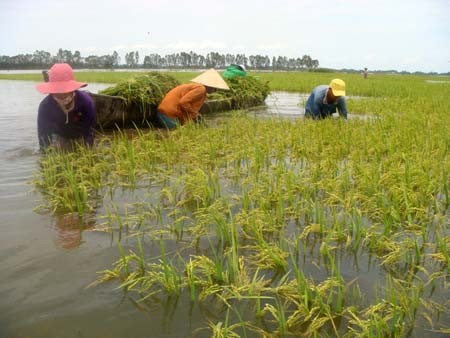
{"x": 312, "y": 107}
{"x": 315, "y": 107}
{"x": 43, "y": 128}
{"x": 191, "y": 102}
{"x": 308, "y": 105}
{"x": 342, "y": 107}
{"x": 89, "y": 121}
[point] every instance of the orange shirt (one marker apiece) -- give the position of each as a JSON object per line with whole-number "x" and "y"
{"x": 183, "y": 102}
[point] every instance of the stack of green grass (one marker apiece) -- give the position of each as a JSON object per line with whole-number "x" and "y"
{"x": 144, "y": 90}
{"x": 148, "y": 90}
{"x": 244, "y": 92}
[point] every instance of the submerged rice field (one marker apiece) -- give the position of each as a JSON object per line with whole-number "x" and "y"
{"x": 278, "y": 227}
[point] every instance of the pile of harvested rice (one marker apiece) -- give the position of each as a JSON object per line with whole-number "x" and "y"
{"x": 147, "y": 90}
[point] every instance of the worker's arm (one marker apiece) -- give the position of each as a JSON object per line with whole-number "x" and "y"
{"x": 192, "y": 101}
{"x": 309, "y": 104}
{"x": 342, "y": 107}
{"x": 312, "y": 108}
{"x": 88, "y": 121}
{"x": 43, "y": 128}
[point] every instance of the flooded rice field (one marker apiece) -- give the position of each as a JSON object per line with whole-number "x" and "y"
{"x": 191, "y": 220}
{"x": 46, "y": 263}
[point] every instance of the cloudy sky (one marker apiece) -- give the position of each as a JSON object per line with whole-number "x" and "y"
{"x": 411, "y": 35}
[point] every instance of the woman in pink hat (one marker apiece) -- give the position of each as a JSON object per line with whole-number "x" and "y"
{"x": 66, "y": 114}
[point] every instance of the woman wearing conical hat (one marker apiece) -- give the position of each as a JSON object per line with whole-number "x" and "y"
{"x": 183, "y": 103}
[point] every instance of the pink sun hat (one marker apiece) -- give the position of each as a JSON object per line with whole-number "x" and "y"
{"x": 60, "y": 80}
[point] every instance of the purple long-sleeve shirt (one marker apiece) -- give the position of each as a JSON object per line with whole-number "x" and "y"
{"x": 52, "y": 120}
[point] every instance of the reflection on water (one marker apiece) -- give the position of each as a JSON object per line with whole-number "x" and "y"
{"x": 292, "y": 105}
{"x": 285, "y": 104}
{"x": 70, "y": 229}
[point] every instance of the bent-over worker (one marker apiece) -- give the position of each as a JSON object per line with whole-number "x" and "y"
{"x": 182, "y": 103}
{"x": 325, "y": 100}
{"x": 66, "y": 114}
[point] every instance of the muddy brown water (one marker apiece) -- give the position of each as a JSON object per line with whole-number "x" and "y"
{"x": 46, "y": 264}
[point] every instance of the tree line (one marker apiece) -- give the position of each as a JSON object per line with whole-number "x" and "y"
{"x": 41, "y": 59}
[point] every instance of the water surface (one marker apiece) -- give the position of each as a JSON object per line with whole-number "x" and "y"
{"x": 47, "y": 262}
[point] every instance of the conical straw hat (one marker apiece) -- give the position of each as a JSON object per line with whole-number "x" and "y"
{"x": 211, "y": 78}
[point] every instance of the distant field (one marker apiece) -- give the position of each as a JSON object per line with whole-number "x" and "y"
{"x": 375, "y": 85}
{"x": 366, "y": 96}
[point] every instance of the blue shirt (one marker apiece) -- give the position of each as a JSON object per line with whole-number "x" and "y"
{"x": 79, "y": 124}
{"x": 318, "y": 109}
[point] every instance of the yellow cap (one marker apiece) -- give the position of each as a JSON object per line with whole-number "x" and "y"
{"x": 337, "y": 87}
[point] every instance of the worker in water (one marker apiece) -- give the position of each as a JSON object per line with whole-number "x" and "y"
{"x": 234, "y": 70}
{"x": 182, "y": 103}
{"x": 326, "y": 99}
{"x": 66, "y": 114}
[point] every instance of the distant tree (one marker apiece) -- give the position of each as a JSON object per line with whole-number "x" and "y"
{"x": 64, "y": 56}
{"x": 281, "y": 62}
{"x": 146, "y": 63}
{"x": 252, "y": 61}
{"x": 291, "y": 64}
{"x": 201, "y": 61}
{"x": 195, "y": 59}
{"x": 170, "y": 60}
{"x": 230, "y": 59}
{"x": 152, "y": 61}
{"x": 116, "y": 58}
{"x": 92, "y": 61}
{"x": 186, "y": 60}
{"x": 263, "y": 62}
{"x": 106, "y": 61}
{"x": 136, "y": 58}
{"x": 241, "y": 59}
{"x": 77, "y": 59}
{"x": 307, "y": 61}
{"x": 41, "y": 59}
{"x": 215, "y": 60}
{"x": 130, "y": 59}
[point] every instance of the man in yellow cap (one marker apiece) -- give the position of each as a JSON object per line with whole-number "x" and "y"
{"x": 182, "y": 103}
{"x": 325, "y": 100}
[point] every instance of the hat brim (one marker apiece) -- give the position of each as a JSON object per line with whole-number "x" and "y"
{"x": 338, "y": 92}
{"x": 59, "y": 87}
{"x": 211, "y": 78}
